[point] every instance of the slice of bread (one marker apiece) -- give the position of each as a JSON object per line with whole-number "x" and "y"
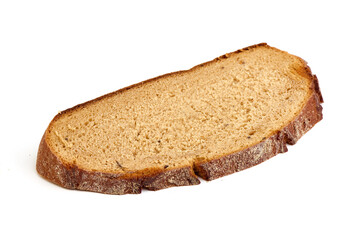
{"x": 215, "y": 119}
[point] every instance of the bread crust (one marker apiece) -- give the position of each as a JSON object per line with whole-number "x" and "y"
{"x": 269, "y": 147}
{"x": 70, "y": 176}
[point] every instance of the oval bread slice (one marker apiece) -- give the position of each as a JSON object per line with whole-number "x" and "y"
{"x": 215, "y": 119}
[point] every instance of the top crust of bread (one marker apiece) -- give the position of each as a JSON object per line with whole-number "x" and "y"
{"x": 70, "y": 175}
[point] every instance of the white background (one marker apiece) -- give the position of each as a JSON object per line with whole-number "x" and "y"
{"x": 56, "y": 54}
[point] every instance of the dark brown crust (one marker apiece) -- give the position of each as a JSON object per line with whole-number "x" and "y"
{"x": 309, "y": 116}
{"x": 70, "y": 176}
{"x": 52, "y": 168}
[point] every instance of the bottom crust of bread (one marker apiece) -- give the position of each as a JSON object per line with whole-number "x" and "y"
{"x": 310, "y": 115}
{"x": 70, "y": 176}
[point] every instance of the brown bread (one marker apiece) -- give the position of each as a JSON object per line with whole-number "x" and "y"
{"x": 215, "y": 119}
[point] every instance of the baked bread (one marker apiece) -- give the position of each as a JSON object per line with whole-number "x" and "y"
{"x": 215, "y": 119}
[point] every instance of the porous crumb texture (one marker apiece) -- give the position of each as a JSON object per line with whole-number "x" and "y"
{"x": 176, "y": 120}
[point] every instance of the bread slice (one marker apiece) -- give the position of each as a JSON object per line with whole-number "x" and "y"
{"x": 215, "y": 119}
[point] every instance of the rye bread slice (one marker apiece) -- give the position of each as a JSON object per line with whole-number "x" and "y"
{"x": 215, "y": 119}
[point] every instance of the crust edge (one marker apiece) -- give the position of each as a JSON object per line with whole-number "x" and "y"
{"x": 53, "y": 169}
{"x": 308, "y": 117}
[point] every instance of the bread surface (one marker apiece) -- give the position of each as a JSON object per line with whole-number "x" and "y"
{"x": 215, "y": 119}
